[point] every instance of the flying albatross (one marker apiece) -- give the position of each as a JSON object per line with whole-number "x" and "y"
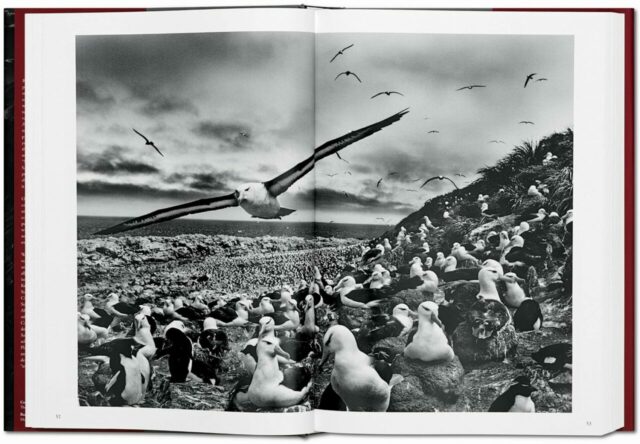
{"x": 147, "y": 141}
{"x": 259, "y": 199}
{"x": 439, "y": 178}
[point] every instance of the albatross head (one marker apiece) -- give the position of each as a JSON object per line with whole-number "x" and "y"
{"x": 252, "y": 192}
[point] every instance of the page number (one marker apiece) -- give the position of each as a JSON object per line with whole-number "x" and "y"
{"x": 588, "y": 423}
{"x": 58, "y": 416}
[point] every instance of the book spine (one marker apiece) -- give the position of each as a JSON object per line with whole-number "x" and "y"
{"x": 9, "y": 139}
{"x": 629, "y": 224}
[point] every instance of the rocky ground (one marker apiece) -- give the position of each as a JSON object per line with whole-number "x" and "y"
{"x": 225, "y": 266}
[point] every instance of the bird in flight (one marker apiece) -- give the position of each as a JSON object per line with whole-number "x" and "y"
{"x": 439, "y": 178}
{"x": 526, "y": 122}
{"x": 345, "y": 194}
{"x": 347, "y": 74}
{"x": 471, "y": 87}
{"x": 497, "y": 141}
{"x": 331, "y": 175}
{"x": 244, "y": 134}
{"x": 460, "y": 175}
{"x": 542, "y": 79}
{"x": 434, "y": 132}
{"x": 392, "y": 173}
{"x": 147, "y": 141}
{"x": 388, "y": 93}
{"x": 410, "y": 189}
{"x": 379, "y": 182}
{"x": 259, "y": 199}
{"x": 529, "y": 78}
{"x": 341, "y": 52}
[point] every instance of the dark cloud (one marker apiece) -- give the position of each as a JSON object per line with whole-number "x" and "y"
{"x": 88, "y": 94}
{"x": 201, "y": 181}
{"x": 336, "y": 200}
{"x": 156, "y": 59}
{"x": 103, "y": 188}
{"x": 231, "y": 134}
{"x": 113, "y": 162}
{"x": 155, "y": 106}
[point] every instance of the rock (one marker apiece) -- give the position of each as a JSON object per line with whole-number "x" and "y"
{"x": 438, "y": 379}
{"x": 414, "y": 297}
{"x": 194, "y": 395}
{"x": 562, "y": 380}
{"x": 470, "y": 349}
{"x": 461, "y": 292}
{"x": 407, "y": 396}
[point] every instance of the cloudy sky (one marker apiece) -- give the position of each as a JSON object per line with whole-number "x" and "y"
{"x": 229, "y": 108}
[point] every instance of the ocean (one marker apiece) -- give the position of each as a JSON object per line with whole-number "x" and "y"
{"x": 88, "y": 225}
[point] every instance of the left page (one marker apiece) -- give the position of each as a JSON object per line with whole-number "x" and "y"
{"x": 184, "y": 218}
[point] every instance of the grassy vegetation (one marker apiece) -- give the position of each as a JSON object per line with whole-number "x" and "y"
{"x": 506, "y": 182}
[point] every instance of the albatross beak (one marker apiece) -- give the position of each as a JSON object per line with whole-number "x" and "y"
{"x": 281, "y": 352}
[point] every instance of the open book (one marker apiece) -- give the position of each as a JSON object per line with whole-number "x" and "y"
{"x": 298, "y": 220}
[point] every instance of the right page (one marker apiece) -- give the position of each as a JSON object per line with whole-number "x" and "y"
{"x": 461, "y": 305}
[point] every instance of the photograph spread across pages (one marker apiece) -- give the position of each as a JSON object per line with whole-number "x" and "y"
{"x": 285, "y": 222}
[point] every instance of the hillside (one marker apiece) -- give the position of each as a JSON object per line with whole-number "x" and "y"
{"x": 506, "y": 184}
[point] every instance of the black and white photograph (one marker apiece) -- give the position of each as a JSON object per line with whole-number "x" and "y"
{"x": 288, "y": 221}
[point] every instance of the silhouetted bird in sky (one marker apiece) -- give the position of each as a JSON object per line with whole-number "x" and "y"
{"x": 526, "y": 122}
{"x": 147, "y": 141}
{"x": 347, "y": 74}
{"x": 529, "y": 77}
{"x": 379, "y": 182}
{"x": 341, "y": 52}
{"x": 497, "y": 141}
{"x": 438, "y": 178}
{"x": 388, "y": 93}
{"x": 542, "y": 79}
{"x": 471, "y": 87}
{"x": 460, "y": 175}
{"x": 434, "y": 132}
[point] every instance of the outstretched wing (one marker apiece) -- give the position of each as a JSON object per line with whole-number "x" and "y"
{"x": 378, "y": 184}
{"x": 396, "y": 92}
{"x": 344, "y": 49}
{"x": 340, "y": 75}
{"x": 281, "y": 183}
{"x": 454, "y": 184}
{"x": 464, "y": 87}
{"x": 334, "y": 57}
{"x": 140, "y": 134}
{"x": 356, "y": 76}
{"x": 156, "y": 148}
{"x": 428, "y": 180}
{"x": 198, "y": 206}
{"x": 376, "y": 95}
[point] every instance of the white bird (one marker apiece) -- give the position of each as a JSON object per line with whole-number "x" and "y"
{"x": 533, "y": 191}
{"x": 353, "y": 378}
{"x": 428, "y": 223}
{"x": 490, "y": 273}
{"x": 429, "y": 342}
{"x": 259, "y": 199}
{"x": 539, "y": 216}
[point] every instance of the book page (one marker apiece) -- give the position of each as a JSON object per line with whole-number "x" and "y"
{"x": 197, "y": 118}
{"x": 474, "y": 190}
